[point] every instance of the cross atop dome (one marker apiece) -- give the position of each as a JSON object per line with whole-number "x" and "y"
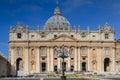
{"x": 57, "y": 2}
{"x": 57, "y": 9}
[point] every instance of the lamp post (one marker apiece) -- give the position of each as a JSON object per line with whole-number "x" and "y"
{"x": 63, "y": 53}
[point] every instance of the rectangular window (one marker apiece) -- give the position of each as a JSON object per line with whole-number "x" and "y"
{"x": 93, "y": 36}
{"x": 42, "y": 36}
{"x": 43, "y": 66}
{"x": 106, "y": 36}
{"x": 19, "y": 35}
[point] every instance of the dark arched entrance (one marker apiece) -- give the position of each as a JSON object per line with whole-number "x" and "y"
{"x": 19, "y": 64}
{"x": 106, "y": 64}
{"x": 83, "y": 66}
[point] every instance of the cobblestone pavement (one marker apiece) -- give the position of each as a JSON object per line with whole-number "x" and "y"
{"x": 34, "y": 78}
{"x": 20, "y": 79}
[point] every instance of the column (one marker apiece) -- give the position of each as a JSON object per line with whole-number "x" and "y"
{"x": 26, "y": 61}
{"x": 113, "y": 59}
{"x": 118, "y": 66}
{"x": 89, "y": 60}
{"x": 68, "y": 63}
{"x": 59, "y": 63}
{"x": 48, "y": 59}
{"x": 98, "y": 52}
{"x": 51, "y": 53}
{"x": 101, "y": 65}
{"x": 79, "y": 59}
{"x": 12, "y": 58}
{"x": 99, "y": 56}
{"x": 38, "y": 59}
{"x": 75, "y": 57}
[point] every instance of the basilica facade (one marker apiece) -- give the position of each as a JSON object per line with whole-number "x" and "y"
{"x": 34, "y": 51}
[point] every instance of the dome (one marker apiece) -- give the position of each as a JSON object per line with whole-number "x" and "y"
{"x": 57, "y": 22}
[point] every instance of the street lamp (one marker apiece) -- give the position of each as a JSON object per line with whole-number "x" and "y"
{"x": 63, "y": 53}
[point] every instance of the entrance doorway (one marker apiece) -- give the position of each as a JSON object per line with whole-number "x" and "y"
{"x": 106, "y": 64}
{"x": 83, "y": 66}
{"x": 19, "y": 64}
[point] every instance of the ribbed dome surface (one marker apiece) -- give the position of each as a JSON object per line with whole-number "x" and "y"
{"x": 57, "y": 22}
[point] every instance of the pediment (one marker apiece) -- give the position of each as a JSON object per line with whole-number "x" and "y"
{"x": 63, "y": 38}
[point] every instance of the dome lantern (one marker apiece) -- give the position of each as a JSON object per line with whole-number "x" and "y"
{"x": 57, "y": 11}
